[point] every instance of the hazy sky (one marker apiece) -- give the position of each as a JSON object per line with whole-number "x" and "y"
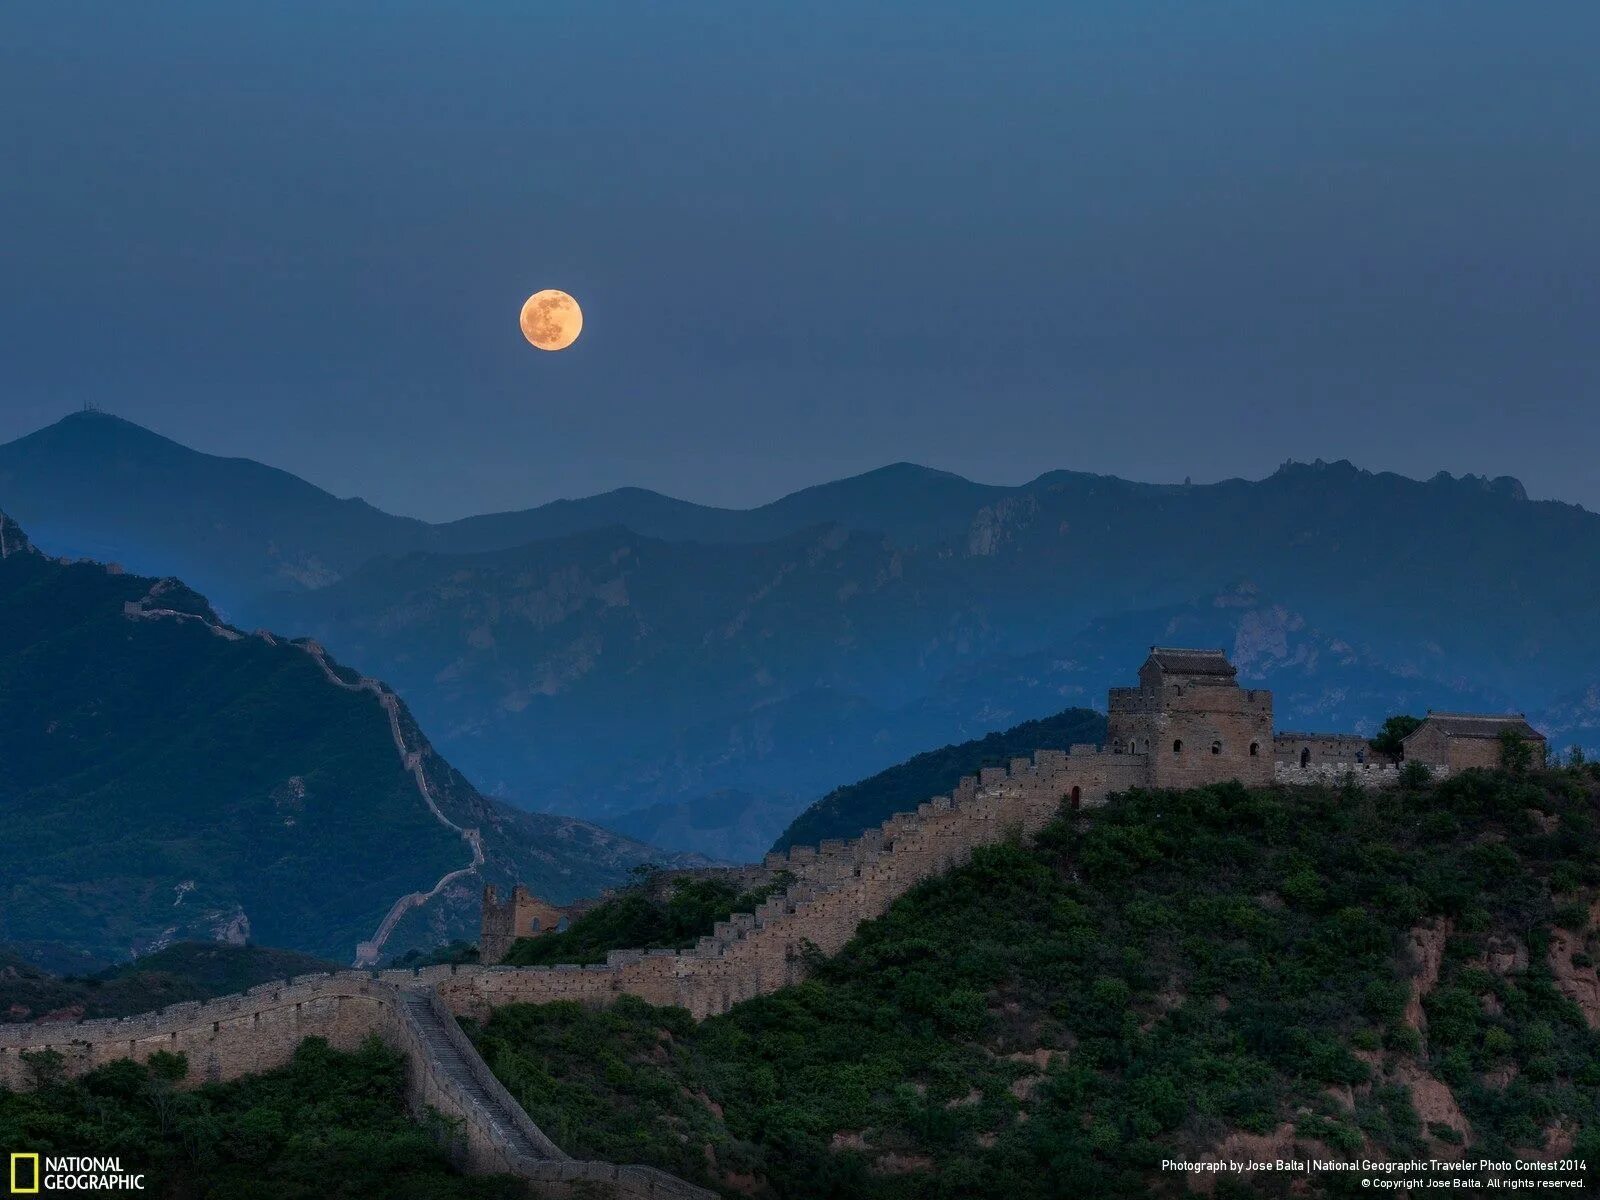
{"x": 1155, "y": 240}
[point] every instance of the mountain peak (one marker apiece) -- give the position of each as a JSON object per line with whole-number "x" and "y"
{"x": 1500, "y": 485}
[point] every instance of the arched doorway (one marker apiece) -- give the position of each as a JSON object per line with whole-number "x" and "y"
{"x": 1305, "y": 757}
{"x": 1076, "y": 797}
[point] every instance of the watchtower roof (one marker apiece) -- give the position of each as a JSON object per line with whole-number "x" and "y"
{"x": 1179, "y": 660}
{"x": 1478, "y": 725}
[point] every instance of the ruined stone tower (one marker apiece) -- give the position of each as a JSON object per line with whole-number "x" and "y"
{"x": 1190, "y": 721}
{"x": 523, "y": 915}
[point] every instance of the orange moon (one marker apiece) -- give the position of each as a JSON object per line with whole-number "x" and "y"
{"x": 551, "y": 320}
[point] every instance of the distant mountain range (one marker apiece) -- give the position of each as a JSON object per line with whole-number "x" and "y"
{"x": 166, "y": 777}
{"x": 698, "y": 675}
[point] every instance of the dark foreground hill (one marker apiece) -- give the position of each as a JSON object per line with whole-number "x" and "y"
{"x": 166, "y": 778}
{"x": 1213, "y": 973}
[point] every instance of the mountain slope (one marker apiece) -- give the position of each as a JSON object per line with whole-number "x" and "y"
{"x": 95, "y": 486}
{"x": 169, "y": 778}
{"x": 1222, "y": 973}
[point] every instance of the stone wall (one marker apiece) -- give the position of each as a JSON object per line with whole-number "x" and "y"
{"x": 837, "y": 885}
{"x": 1363, "y": 774}
{"x": 259, "y": 1030}
{"x": 1312, "y": 749}
{"x": 223, "y": 1038}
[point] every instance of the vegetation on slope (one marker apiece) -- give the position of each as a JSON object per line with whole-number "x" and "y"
{"x": 657, "y": 914}
{"x": 329, "y": 1126}
{"x": 164, "y": 782}
{"x": 847, "y": 811}
{"x": 187, "y": 971}
{"x": 1151, "y": 980}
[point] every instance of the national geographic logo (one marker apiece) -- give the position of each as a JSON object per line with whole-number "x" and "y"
{"x": 32, "y": 1174}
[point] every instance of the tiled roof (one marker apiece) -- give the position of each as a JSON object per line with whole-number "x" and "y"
{"x": 1479, "y": 725}
{"x": 1177, "y": 660}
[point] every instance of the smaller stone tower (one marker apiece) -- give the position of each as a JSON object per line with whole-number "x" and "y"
{"x": 523, "y": 915}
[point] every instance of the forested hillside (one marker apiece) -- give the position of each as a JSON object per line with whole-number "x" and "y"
{"x": 169, "y": 778}
{"x": 1218, "y": 971}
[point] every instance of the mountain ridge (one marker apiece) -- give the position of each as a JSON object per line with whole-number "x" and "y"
{"x": 653, "y": 655}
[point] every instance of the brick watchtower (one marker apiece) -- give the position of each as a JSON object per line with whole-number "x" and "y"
{"x": 1192, "y": 722}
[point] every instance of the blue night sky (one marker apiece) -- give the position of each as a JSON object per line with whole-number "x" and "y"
{"x": 1154, "y": 240}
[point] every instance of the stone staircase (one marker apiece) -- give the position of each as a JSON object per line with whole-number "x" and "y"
{"x": 497, "y": 1136}
{"x": 455, "y": 1063}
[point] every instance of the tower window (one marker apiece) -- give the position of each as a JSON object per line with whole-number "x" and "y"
{"x": 1216, "y": 747}
{"x": 1177, "y": 746}
{"x": 1255, "y": 749}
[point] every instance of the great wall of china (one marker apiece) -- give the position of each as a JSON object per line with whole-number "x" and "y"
{"x": 1189, "y": 700}
{"x": 836, "y": 886}
{"x": 367, "y": 952}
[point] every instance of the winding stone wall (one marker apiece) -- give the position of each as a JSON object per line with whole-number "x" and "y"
{"x": 837, "y": 885}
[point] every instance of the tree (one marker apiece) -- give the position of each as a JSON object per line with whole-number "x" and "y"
{"x": 1414, "y": 776}
{"x": 1516, "y": 755}
{"x": 1392, "y": 734}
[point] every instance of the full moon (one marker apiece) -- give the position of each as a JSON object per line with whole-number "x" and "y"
{"x": 551, "y": 320}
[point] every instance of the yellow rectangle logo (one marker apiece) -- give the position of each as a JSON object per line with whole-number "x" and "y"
{"x": 19, "y": 1175}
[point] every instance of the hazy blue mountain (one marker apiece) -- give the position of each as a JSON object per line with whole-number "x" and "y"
{"x": 167, "y": 778}
{"x": 633, "y": 654}
{"x": 96, "y": 486}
